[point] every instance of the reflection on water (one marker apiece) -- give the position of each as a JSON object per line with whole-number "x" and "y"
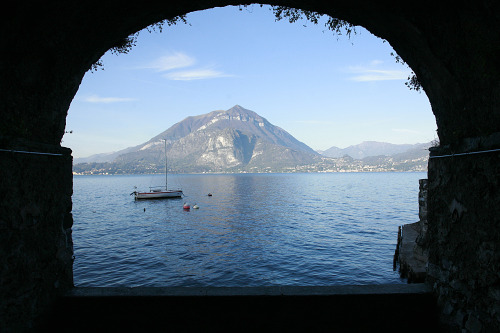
{"x": 256, "y": 230}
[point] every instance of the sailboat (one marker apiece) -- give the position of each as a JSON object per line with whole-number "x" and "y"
{"x": 159, "y": 192}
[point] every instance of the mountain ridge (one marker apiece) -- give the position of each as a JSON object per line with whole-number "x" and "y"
{"x": 239, "y": 140}
{"x": 216, "y": 140}
{"x": 372, "y": 148}
{"x": 333, "y": 152}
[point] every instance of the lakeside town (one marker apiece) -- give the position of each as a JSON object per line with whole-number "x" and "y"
{"x": 343, "y": 164}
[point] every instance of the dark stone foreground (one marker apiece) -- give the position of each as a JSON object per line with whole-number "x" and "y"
{"x": 387, "y": 308}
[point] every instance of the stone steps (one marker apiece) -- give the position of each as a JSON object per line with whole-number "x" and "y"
{"x": 411, "y": 257}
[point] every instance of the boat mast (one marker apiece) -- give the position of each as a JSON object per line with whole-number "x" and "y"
{"x": 166, "y": 188}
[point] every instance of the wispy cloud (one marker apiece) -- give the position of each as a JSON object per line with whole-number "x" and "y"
{"x": 380, "y": 75}
{"x": 376, "y": 62}
{"x": 315, "y": 122}
{"x": 172, "y": 61}
{"x": 98, "y": 99}
{"x": 405, "y": 130}
{"x": 373, "y": 72}
{"x": 195, "y": 74}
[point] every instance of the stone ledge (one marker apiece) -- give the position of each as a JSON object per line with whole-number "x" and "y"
{"x": 382, "y": 289}
{"x": 355, "y": 308}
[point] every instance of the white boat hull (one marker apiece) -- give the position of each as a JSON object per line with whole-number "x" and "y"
{"x": 159, "y": 192}
{"x": 158, "y": 195}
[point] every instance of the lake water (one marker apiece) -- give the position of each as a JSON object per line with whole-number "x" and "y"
{"x": 256, "y": 229}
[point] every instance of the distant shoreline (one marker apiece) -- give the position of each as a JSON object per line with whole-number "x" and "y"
{"x": 250, "y": 173}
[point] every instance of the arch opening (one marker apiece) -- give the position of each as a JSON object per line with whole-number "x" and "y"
{"x": 351, "y": 78}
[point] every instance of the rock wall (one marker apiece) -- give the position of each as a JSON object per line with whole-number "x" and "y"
{"x": 422, "y": 205}
{"x": 36, "y": 250}
{"x": 464, "y": 233}
{"x": 422, "y": 241}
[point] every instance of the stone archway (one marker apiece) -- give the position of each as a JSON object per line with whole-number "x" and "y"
{"x": 453, "y": 47}
{"x": 446, "y": 46}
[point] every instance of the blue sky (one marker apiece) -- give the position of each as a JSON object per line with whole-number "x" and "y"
{"x": 323, "y": 89}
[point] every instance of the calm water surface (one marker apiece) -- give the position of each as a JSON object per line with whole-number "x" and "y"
{"x": 256, "y": 229}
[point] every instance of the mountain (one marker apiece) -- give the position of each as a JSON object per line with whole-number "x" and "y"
{"x": 333, "y": 152}
{"x": 103, "y": 157}
{"x": 373, "y": 148}
{"x": 414, "y": 159}
{"x": 236, "y": 118}
{"x": 233, "y": 140}
{"x": 239, "y": 140}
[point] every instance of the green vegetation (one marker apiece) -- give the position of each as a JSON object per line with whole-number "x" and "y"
{"x": 338, "y": 27}
{"x": 126, "y": 44}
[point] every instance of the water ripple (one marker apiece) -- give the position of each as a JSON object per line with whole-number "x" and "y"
{"x": 256, "y": 230}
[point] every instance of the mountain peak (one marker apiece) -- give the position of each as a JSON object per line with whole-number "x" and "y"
{"x": 234, "y": 131}
{"x": 238, "y": 109}
{"x": 236, "y": 113}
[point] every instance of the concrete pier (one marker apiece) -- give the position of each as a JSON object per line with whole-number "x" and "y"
{"x": 411, "y": 250}
{"x": 411, "y": 257}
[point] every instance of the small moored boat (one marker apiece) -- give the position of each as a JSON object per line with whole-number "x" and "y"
{"x": 159, "y": 192}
